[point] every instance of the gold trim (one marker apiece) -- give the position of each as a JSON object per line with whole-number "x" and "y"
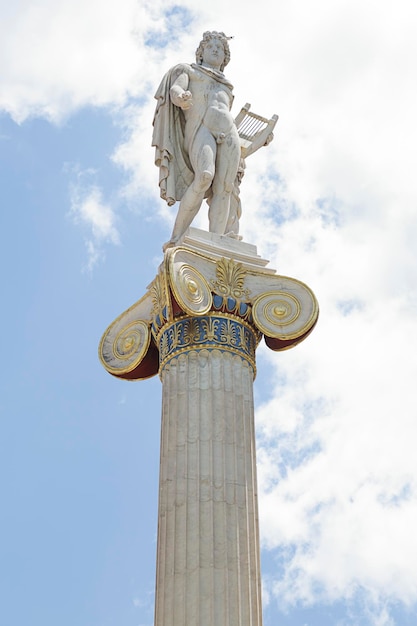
{"x": 225, "y": 344}
{"x": 261, "y": 302}
{"x": 140, "y": 349}
{"x": 119, "y": 317}
{"x": 190, "y": 288}
{"x": 230, "y": 279}
{"x": 245, "y": 359}
{"x": 220, "y": 314}
{"x": 160, "y": 296}
{"x": 156, "y": 290}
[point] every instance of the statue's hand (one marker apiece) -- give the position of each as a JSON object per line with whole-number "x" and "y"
{"x": 186, "y": 100}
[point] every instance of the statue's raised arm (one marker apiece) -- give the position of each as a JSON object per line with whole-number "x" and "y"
{"x": 198, "y": 148}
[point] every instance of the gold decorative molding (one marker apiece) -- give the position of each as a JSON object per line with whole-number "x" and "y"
{"x": 191, "y": 292}
{"x": 230, "y": 279}
{"x": 190, "y": 289}
{"x": 124, "y": 346}
{"x": 159, "y": 291}
{"x": 285, "y": 315}
{"x": 219, "y": 331}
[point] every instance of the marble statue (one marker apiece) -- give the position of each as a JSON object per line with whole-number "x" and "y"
{"x": 198, "y": 146}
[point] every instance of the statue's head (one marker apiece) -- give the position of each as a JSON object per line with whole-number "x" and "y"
{"x": 208, "y": 36}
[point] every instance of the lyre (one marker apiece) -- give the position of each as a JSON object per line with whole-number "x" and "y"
{"x": 254, "y": 131}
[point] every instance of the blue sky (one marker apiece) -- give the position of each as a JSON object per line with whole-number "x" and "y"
{"x": 332, "y": 202}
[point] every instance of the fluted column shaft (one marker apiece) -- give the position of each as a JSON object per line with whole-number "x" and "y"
{"x": 208, "y": 565}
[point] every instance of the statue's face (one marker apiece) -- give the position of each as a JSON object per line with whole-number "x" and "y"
{"x": 213, "y": 53}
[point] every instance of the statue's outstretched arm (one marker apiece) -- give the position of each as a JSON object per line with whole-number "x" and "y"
{"x": 179, "y": 93}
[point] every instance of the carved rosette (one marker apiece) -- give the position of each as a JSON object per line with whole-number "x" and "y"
{"x": 285, "y": 317}
{"x": 199, "y": 303}
{"x": 191, "y": 291}
{"x": 126, "y": 352}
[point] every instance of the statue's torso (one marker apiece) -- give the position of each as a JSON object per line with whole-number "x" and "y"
{"x": 212, "y": 101}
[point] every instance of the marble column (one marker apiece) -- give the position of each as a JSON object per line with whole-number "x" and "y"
{"x": 198, "y": 326}
{"x": 208, "y": 570}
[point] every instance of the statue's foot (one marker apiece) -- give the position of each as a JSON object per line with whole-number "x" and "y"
{"x": 233, "y": 235}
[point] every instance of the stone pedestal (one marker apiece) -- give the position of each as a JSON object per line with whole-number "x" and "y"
{"x": 198, "y": 326}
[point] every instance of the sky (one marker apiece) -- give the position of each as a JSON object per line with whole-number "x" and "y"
{"x": 332, "y": 201}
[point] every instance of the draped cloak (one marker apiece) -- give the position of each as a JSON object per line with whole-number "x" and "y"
{"x": 171, "y": 155}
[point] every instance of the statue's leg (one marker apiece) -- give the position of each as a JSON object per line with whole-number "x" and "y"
{"x": 235, "y": 206}
{"x": 227, "y": 163}
{"x": 202, "y": 157}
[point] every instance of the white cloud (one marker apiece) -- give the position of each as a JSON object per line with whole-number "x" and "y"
{"x": 89, "y": 209}
{"x": 332, "y": 201}
{"x": 57, "y": 56}
{"x": 337, "y": 463}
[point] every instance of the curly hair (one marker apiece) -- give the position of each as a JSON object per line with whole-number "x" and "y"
{"x": 207, "y": 36}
